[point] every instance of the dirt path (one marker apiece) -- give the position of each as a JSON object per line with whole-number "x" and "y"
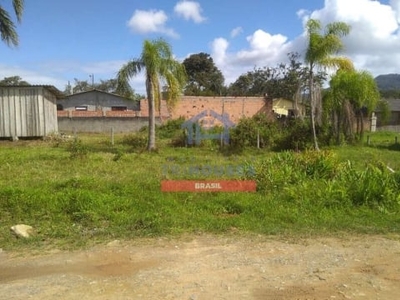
{"x": 210, "y": 267}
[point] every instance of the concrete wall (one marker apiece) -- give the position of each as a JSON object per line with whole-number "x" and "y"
{"x": 188, "y": 107}
{"x": 102, "y": 124}
{"x": 97, "y": 100}
{"x": 394, "y": 128}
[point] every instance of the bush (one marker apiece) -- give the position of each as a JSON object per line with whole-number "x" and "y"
{"x": 77, "y": 149}
{"x": 138, "y": 141}
{"x": 245, "y": 133}
{"x": 169, "y": 129}
{"x": 179, "y": 140}
{"x": 296, "y": 135}
{"x": 315, "y": 178}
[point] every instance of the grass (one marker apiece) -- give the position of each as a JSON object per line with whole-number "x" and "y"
{"x": 78, "y": 193}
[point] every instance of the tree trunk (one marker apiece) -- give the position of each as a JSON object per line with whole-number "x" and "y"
{"x": 362, "y": 126}
{"x": 152, "y": 122}
{"x": 337, "y": 123}
{"x": 312, "y": 104}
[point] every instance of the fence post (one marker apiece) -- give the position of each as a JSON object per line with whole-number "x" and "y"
{"x": 112, "y": 136}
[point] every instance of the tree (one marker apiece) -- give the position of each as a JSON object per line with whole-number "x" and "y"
{"x": 8, "y": 32}
{"x": 353, "y": 96}
{"x": 321, "y": 53}
{"x": 13, "y": 80}
{"x": 281, "y": 81}
{"x": 159, "y": 65}
{"x": 204, "y": 78}
{"x": 81, "y": 86}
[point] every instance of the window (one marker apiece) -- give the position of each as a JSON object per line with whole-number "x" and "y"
{"x": 118, "y": 108}
{"x": 81, "y": 108}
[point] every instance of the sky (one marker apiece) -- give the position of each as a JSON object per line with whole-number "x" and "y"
{"x": 60, "y": 41}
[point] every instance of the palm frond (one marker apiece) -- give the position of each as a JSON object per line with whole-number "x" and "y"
{"x": 7, "y": 29}
{"x": 126, "y": 72}
{"x": 18, "y": 9}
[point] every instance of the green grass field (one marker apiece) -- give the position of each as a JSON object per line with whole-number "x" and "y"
{"x": 76, "y": 193}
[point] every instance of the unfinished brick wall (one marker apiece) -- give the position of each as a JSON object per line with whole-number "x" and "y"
{"x": 235, "y": 107}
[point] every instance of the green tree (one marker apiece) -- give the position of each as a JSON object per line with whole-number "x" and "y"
{"x": 281, "y": 81}
{"x": 321, "y": 53}
{"x": 13, "y": 80}
{"x": 81, "y": 86}
{"x": 158, "y": 63}
{"x": 8, "y": 31}
{"x": 204, "y": 78}
{"x": 353, "y": 96}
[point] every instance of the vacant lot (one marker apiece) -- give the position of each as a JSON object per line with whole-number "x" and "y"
{"x": 210, "y": 267}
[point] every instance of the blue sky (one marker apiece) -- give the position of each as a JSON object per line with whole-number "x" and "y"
{"x": 63, "y": 40}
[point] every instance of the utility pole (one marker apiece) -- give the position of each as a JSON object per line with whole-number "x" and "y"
{"x": 92, "y": 76}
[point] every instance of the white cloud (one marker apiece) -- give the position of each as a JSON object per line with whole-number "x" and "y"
{"x": 374, "y": 39}
{"x": 264, "y": 50}
{"x": 236, "y": 31}
{"x": 372, "y": 44}
{"x": 189, "y": 10}
{"x": 395, "y": 4}
{"x": 32, "y": 76}
{"x": 151, "y": 21}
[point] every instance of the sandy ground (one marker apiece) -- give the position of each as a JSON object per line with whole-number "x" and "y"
{"x": 210, "y": 267}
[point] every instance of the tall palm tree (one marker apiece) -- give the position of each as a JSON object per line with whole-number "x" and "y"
{"x": 321, "y": 53}
{"x": 160, "y": 67}
{"x": 7, "y": 27}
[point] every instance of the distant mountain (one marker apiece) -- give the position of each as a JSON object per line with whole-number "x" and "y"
{"x": 388, "y": 82}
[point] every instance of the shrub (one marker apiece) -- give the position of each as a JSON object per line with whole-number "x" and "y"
{"x": 296, "y": 135}
{"x": 170, "y": 128}
{"x": 246, "y": 132}
{"x": 178, "y": 140}
{"x": 77, "y": 149}
{"x": 138, "y": 141}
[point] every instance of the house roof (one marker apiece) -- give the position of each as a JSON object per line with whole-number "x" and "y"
{"x": 98, "y": 91}
{"x": 51, "y": 88}
{"x": 394, "y": 104}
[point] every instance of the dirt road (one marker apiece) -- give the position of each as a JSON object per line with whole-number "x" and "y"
{"x": 210, "y": 267}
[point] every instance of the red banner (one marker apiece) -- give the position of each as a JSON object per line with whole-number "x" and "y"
{"x": 208, "y": 186}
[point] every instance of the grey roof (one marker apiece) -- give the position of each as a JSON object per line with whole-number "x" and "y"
{"x": 394, "y": 104}
{"x": 51, "y": 88}
{"x": 98, "y": 91}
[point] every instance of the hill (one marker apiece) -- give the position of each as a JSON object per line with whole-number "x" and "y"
{"x": 388, "y": 82}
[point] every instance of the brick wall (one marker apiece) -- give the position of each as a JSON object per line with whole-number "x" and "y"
{"x": 235, "y": 107}
{"x": 187, "y": 107}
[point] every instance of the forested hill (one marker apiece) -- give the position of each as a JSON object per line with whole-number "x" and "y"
{"x": 388, "y": 82}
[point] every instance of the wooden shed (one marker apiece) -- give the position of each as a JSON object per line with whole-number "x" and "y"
{"x": 28, "y": 111}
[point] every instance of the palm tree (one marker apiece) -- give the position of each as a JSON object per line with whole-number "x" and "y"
{"x": 159, "y": 66}
{"x": 7, "y": 27}
{"x": 321, "y": 53}
{"x": 352, "y": 95}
